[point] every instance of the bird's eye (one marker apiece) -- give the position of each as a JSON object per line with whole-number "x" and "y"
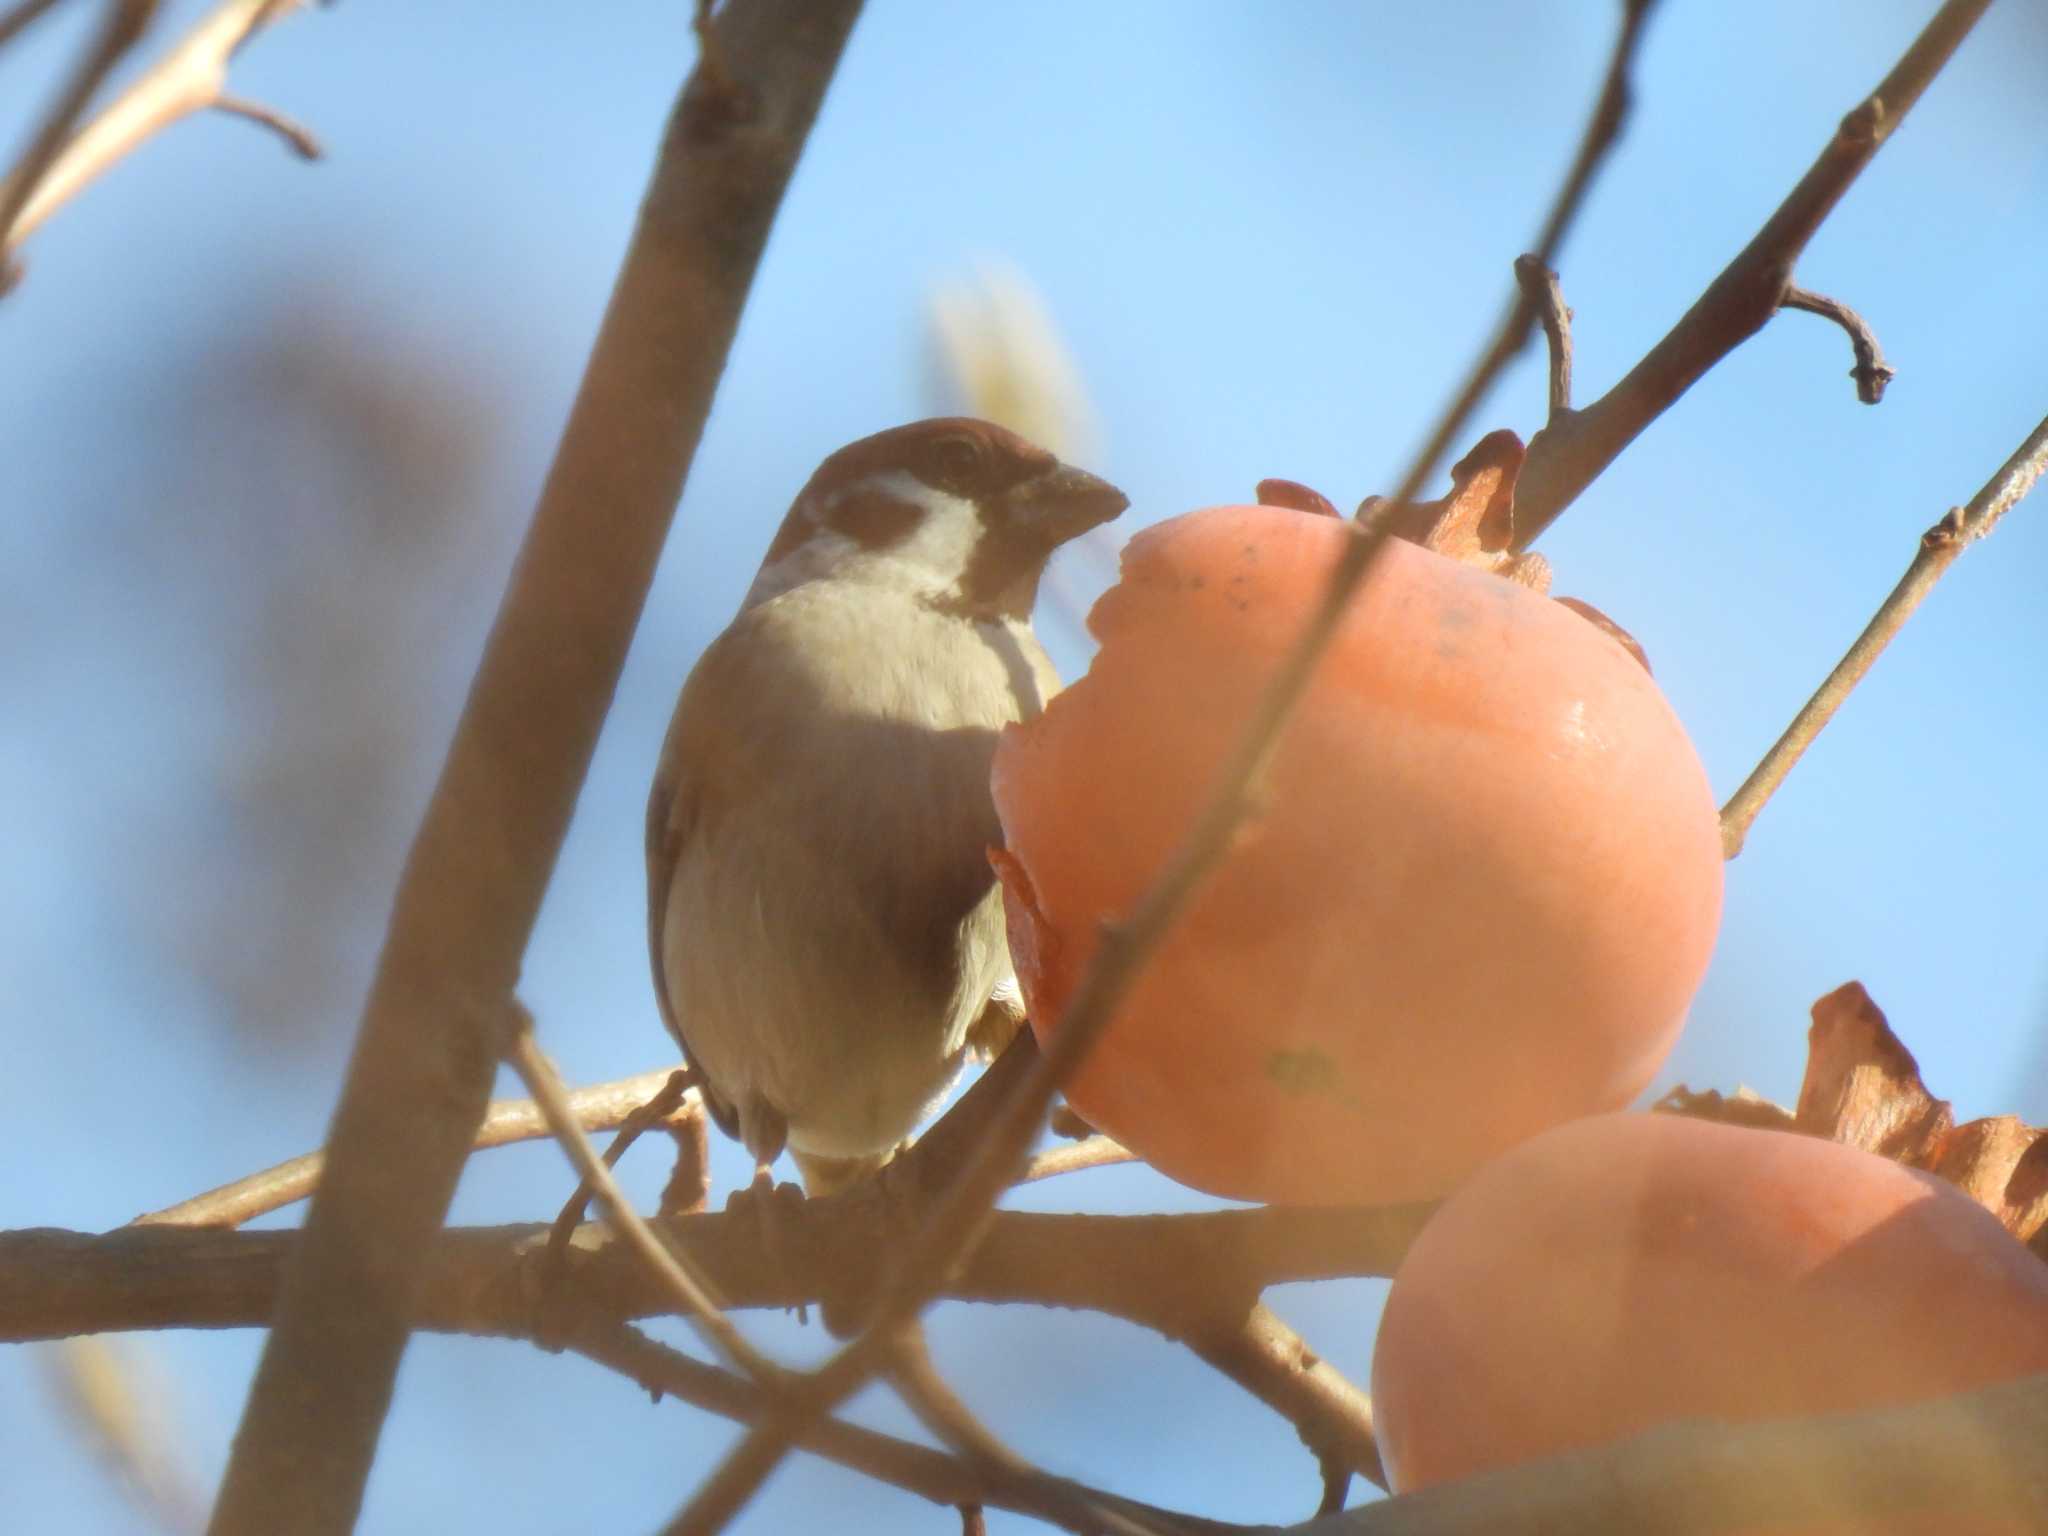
{"x": 954, "y": 460}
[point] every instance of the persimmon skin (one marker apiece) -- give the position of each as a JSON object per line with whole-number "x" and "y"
{"x": 1481, "y": 888}
{"x": 1632, "y": 1270}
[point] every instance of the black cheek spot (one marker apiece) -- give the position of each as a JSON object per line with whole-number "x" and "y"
{"x": 874, "y": 520}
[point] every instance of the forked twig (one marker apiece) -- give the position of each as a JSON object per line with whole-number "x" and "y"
{"x": 126, "y": 21}
{"x": 192, "y": 77}
{"x": 693, "y": 1296}
{"x": 1939, "y": 547}
{"x": 1566, "y": 457}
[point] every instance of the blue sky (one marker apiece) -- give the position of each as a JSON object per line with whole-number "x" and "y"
{"x": 1273, "y": 239}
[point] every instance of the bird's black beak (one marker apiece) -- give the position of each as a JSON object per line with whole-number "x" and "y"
{"x": 1061, "y": 503}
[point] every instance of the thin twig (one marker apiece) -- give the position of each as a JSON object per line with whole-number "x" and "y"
{"x": 1096, "y": 1152}
{"x": 939, "y": 1408}
{"x": 692, "y": 1294}
{"x": 1566, "y": 458}
{"x": 1603, "y": 129}
{"x": 22, "y": 17}
{"x": 658, "y": 1108}
{"x": 126, "y": 21}
{"x": 432, "y": 1029}
{"x": 1871, "y": 372}
{"x": 600, "y": 1107}
{"x": 297, "y": 137}
{"x": 1939, "y": 547}
{"x": 1274, "y": 1363}
{"x": 1336, "y": 1486}
{"x": 933, "y": 1475}
{"x": 192, "y": 77}
{"x": 1542, "y": 292}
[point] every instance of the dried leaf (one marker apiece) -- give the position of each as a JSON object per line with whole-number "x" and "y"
{"x": 1863, "y": 1088}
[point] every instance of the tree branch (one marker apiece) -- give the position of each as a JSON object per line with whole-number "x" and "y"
{"x": 191, "y": 78}
{"x": 688, "y": 1292}
{"x": 600, "y": 1107}
{"x": 925, "y": 1392}
{"x": 1093, "y": 1152}
{"x": 1273, "y": 1363}
{"x": 944, "y": 1480}
{"x": 1939, "y": 547}
{"x": 23, "y": 16}
{"x": 1565, "y": 457}
{"x": 126, "y": 21}
{"x": 432, "y": 1031}
{"x": 1188, "y": 1275}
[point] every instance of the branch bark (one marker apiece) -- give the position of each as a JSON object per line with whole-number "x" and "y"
{"x": 432, "y": 1031}
{"x": 1187, "y": 1276}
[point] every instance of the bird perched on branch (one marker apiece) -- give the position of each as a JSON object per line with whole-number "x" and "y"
{"x": 826, "y": 934}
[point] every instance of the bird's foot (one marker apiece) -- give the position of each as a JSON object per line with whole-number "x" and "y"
{"x": 772, "y": 1207}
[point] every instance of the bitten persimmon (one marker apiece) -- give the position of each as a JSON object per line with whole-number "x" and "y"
{"x": 1630, "y": 1270}
{"x": 1478, "y": 894}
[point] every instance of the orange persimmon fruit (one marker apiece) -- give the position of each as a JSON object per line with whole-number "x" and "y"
{"x": 1632, "y": 1270}
{"x": 1475, "y": 899}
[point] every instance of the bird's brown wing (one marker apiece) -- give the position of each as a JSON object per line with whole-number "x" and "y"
{"x": 669, "y": 815}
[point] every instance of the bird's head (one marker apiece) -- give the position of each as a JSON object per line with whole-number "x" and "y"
{"x": 961, "y": 513}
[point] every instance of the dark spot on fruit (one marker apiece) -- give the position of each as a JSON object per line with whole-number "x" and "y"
{"x": 1309, "y": 1071}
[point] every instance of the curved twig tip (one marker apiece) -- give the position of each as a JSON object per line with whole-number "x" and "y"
{"x": 297, "y": 137}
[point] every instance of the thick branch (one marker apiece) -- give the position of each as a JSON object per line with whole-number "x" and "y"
{"x": 432, "y": 1031}
{"x": 1568, "y": 455}
{"x": 1939, "y": 547}
{"x": 1185, "y": 1275}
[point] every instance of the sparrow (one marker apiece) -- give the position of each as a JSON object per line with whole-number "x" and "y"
{"x": 826, "y": 933}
